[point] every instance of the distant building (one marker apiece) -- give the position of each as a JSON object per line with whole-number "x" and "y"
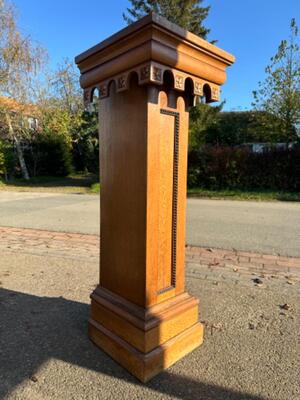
{"x": 261, "y": 147}
{"x": 27, "y": 113}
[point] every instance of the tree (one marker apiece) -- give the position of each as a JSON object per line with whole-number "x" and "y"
{"x": 203, "y": 119}
{"x": 65, "y": 86}
{"x": 186, "y": 13}
{"x": 279, "y": 95}
{"x": 6, "y": 160}
{"x": 64, "y": 115}
{"x": 20, "y": 61}
{"x": 239, "y": 127}
{"x": 61, "y": 101}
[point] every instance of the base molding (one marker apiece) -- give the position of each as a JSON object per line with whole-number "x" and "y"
{"x": 144, "y": 341}
{"x": 145, "y": 366}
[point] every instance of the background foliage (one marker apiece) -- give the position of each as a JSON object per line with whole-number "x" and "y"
{"x": 236, "y": 168}
{"x": 279, "y": 94}
{"x": 66, "y": 140}
{"x": 189, "y": 14}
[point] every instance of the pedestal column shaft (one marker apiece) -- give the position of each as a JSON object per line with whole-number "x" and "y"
{"x": 143, "y": 140}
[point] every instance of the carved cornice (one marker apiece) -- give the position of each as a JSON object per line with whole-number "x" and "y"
{"x": 153, "y": 73}
{"x": 150, "y": 47}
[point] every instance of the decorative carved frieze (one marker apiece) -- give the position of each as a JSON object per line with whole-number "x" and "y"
{"x": 198, "y": 88}
{"x": 121, "y": 82}
{"x": 154, "y": 73}
{"x": 145, "y": 72}
{"x": 87, "y": 97}
{"x": 215, "y": 93}
{"x": 179, "y": 82}
{"x": 103, "y": 90}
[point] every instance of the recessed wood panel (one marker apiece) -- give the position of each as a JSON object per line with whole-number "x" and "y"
{"x": 165, "y": 182}
{"x": 168, "y": 193}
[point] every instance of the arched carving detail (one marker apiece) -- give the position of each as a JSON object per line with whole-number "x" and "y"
{"x": 95, "y": 92}
{"x": 168, "y": 79}
{"x": 109, "y": 87}
{"x": 155, "y": 73}
{"x": 132, "y": 76}
{"x": 207, "y": 92}
{"x": 189, "y": 89}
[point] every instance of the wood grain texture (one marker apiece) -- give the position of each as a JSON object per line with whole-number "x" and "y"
{"x": 148, "y": 76}
{"x": 123, "y": 161}
{"x": 153, "y": 38}
{"x": 142, "y": 366}
{"x": 144, "y": 332}
{"x": 165, "y": 200}
{"x": 140, "y": 303}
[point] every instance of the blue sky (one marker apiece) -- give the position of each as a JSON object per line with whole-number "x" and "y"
{"x": 249, "y": 29}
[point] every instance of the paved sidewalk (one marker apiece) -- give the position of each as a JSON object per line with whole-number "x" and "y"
{"x": 239, "y": 261}
{"x": 85, "y": 247}
{"x": 48, "y": 243}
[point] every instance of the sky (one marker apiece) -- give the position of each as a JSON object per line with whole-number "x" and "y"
{"x": 251, "y": 30}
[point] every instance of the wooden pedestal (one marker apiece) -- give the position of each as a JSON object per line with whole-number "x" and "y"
{"x": 147, "y": 76}
{"x": 140, "y": 313}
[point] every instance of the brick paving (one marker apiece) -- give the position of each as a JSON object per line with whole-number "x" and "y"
{"x": 33, "y": 241}
{"x": 240, "y": 261}
{"x": 79, "y": 246}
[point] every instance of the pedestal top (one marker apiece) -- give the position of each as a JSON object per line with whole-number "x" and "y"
{"x": 150, "y": 47}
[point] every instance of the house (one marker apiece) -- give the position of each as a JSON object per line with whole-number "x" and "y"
{"x": 262, "y": 147}
{"x": 16, "y": 121}
{"x": 24, "y": 115}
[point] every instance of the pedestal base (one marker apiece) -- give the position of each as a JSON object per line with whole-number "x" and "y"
{"x": 145, "y": 342}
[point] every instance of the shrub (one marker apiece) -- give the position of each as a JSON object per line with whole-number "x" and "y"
{"x": 49, "y": 155}
{"x": 2, "y": 162}
{"x": 7, "y": 160}
{"x": 86, "y": 155}
{"x": 235, "y": 168}
{"x": 86, "y": 144}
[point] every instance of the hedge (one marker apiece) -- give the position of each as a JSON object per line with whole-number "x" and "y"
{"x": 49, "y": 155}
{"x": 7, "y": 159}
{"x": 237, "y": 168}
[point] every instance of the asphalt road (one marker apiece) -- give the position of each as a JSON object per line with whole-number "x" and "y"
{"x": 266, "y": 227}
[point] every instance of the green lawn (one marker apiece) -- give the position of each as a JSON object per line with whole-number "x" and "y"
{"x": 258, "y": 195}
{"x": 75, "y": 183}
{"x": 261, "y": 195}
{"x": 87, "y": 183}
{"x": 95, "y": 188}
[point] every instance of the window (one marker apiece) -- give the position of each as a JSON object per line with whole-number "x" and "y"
{"x": 32, "y": 123}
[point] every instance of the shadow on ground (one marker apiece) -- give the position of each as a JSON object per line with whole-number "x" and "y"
{"x": 35, "y": 329}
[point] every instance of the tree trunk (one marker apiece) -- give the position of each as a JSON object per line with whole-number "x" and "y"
{"x": 22, "y": 163}
{"x": 21, "y": 159}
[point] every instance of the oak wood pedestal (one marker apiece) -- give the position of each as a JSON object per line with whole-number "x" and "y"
{"x": 147, "y": 77}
